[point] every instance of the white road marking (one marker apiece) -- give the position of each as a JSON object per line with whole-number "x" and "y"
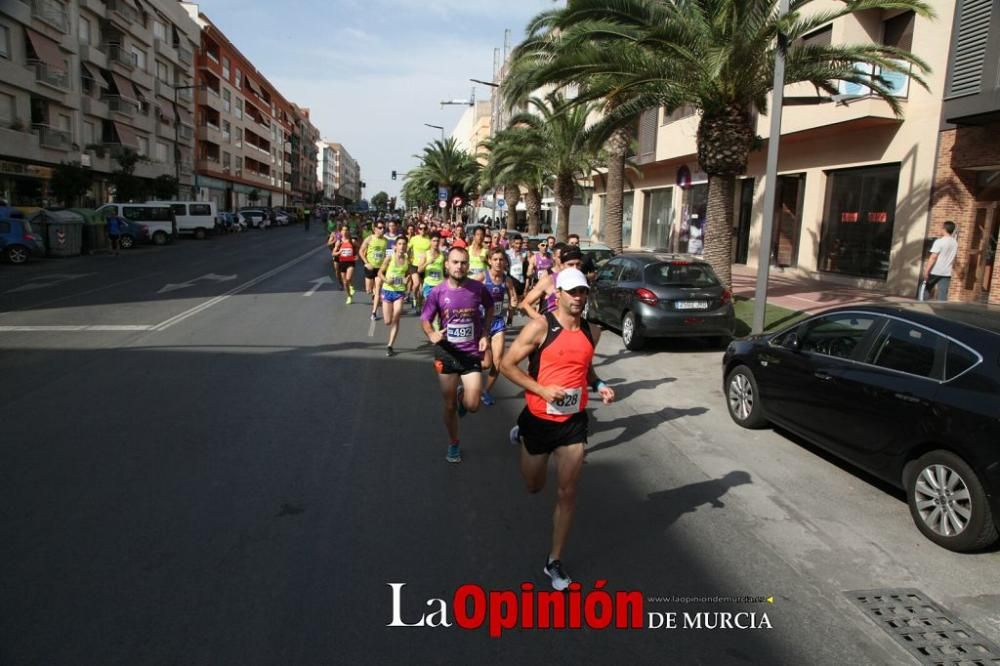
{"x": 183, "y": 285}
{"x": 319, "y": 283}
{"x": 176, "y": 319}
{"x": 47, "y": 281}
{"x": 73, "y": 328}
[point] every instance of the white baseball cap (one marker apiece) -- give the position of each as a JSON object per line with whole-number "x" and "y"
{"x": 570, "y": 278}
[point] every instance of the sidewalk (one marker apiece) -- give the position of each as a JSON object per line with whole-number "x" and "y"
{"x": 805, "y": 294}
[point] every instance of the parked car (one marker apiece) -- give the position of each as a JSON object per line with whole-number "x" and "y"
{"x": 652, "y": 295}
{"x": 908, "y": 392}
{"x": 19, "y": 241}
{"x": 197, "y": 218}
{"x": 254, "y": 218}
{"x": 595, "y": 255}
{"x": 132, "y": 234}
{"x": 158, "y": 218}
{"x": 230, "y": 222}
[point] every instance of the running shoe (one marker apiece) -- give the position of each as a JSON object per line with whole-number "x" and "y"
{"x": 454, "y": 454}
{"x": 374, "y": 317}
{"x": 461, "y": 403}
{"x": 554, "y": 570}
{"x": 488, "y": 399}
{"x": 352, "y": 290}
{"x": 515, "y": 435}
{"x": 349, "y": 300}
{"x": 389, "y": 352}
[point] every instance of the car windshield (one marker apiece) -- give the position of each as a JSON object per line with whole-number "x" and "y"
{"x": 681, "y": 274}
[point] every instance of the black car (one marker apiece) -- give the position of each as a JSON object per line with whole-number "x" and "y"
{"x": 908, "y": 392}
{"x": 659, "y": 295}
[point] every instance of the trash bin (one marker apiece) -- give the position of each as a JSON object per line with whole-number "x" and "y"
{"x": 63, "y": 233}
{"x": 95, "y": 235}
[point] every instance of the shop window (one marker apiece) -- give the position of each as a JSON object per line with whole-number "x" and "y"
{"x": 693, "y": 210}
{"x": 858, "y": 222}
{"x": 628, "y": 206}
{"x": 657, "y": 218}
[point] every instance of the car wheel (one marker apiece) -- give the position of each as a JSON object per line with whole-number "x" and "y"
{"x": 17, "y": 254}
{"x": 199, "y": 234}
{"x": 126, "y": 242}
{"x": 159, "y": 238}
{"x": 743, "y": 398}
{"x": 631, "y": 337}
{"x": 948, "y": 503}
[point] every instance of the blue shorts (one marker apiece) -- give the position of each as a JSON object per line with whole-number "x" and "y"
{"x": 427, "y": 289}
{"x": 392, "y": 296}
{"x": 499, "y": 325}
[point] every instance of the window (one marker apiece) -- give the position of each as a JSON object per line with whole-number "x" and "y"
{"x": 178, "y": 209}
{"x": 6, "y": 109}
{"x": 225, "y": 68}
{"x": 83, "y": 30}
{"x": 148, "y": 213}
{"x": 658, "y": 217}
{"x": 159, "y": 30}
{"x": 226, "y": 161}
{"x": 227, "y": 100}
{"x": 631, "y": 272}
{"x": 678, "y": 113}
{"x": 681, "y": 274}
{"x": 821, "y": 37}
{"x": 162, "y": 72}
{"x": 139, "y": 57}
{"x": 89, "y": 133}
{"x": 161, "y": 151}
{"x": 200, "y": 209}
{"x": 239, "y": 79}
{"x": 143, "y": 145}
{"x": 4, "y": 41}
{"x": 898, "y": 31}
{"x": 226, "y": 131}
{"x": 835, "y": 335}
{"x": 958, "y": 360}
{"x": 238, "y": 137}
{"x": 911, "y": 349}
{"x": 857, "y": 226}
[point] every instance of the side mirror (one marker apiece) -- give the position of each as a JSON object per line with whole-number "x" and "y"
{"x": 791, "y": 342}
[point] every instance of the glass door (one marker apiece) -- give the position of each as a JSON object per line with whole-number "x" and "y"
{"x": 745, "y": 212}
{"x": 982, "y": 252}
{"x": 787, "y": 220}
{"x": 657, "y": 218}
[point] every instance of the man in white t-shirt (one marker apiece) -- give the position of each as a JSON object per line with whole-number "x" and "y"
{"x": 937, "y": 274}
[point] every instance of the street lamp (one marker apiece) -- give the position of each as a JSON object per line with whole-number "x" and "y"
{"x": 437, "y": 127}
{"x": 177, "y": 133}
{"x": 486, "y": 83}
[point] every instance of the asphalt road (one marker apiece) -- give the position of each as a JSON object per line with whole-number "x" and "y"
{"x": 202, "y": 462}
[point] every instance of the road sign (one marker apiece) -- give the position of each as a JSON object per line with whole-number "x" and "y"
{"x": 443, "y": 194}
{"x": 457, "y": 201}
{"x": 442, "y": 204}
{"x": 501, "y": 203}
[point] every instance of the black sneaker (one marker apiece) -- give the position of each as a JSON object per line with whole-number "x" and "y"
{"x": 554, "y": 570}
{"x": 389, "y": 352}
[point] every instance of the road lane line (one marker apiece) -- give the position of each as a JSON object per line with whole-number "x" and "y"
{"x": 176, "y": 319}
{"x": 70, "y": 328}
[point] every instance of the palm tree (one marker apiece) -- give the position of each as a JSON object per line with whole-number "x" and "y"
{"x": 718, "y": 56}
{"x": 444, "y": 164}
{"x": 559, "y": 126}
{"x": 516, "y": 159}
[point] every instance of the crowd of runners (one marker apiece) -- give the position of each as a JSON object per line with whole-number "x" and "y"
{"x": 468, "y": 291}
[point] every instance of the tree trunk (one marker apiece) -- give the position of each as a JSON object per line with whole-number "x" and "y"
{"x": 511, "y": 195}
{"x": 565, "y": 189}
{"x": 718, "y": 232}
{"x": 614, "y": 199}
{"x": 533, "y": 202}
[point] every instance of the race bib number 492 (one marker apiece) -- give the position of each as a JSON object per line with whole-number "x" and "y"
{"x": 458, "y": 333}
{"x": 570, "y": 403}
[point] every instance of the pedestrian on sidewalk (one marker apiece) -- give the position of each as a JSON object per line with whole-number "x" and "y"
{"x": 937, "y": 274}
{"x": 114, "y": 225}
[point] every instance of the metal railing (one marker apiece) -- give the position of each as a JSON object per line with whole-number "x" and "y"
{"x": 44, "y": 74}
{"x": 117, "y": 53}
{"x": 51, "y": 137}
{"x": 52, "y": 12}
{"x": 185, "y": 56}
{"x": 125, "y": 10}
{"x": 120, "y": 104}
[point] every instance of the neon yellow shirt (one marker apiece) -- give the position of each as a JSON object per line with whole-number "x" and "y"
{"x": 434, "y": 271}
{"x": 418, "y": 248}
{"x": 375, "y": 253}
{"x": 395, "y": 275}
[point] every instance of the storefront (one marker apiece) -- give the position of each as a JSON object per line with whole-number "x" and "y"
{"x": 24, "y": 184}
{"x": 658, "y": 218}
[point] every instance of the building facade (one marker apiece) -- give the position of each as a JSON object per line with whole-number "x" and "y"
{"x": 325, "y": 170}
{"x": 243, "y": 127}
{"x": 472, "y": 128}
{"x": 854, "y": 180}
{"x": 304, "y": 156}
{"x": 346, "y": 175}
{"x": 967, "y": 184}
{"x": 81, "y": 81}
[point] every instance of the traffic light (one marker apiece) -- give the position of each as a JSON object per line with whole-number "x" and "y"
{"x": 394, "y": 175}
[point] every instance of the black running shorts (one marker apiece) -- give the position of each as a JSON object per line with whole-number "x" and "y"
{"x": 450, "y": 361}
{"x": 542, "y": 436}
{"x": 371, "y": 273}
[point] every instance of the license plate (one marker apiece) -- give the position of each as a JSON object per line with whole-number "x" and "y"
{"x": 691, "y": 305}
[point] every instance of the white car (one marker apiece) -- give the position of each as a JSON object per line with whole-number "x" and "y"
{"x": 254, "y": 218}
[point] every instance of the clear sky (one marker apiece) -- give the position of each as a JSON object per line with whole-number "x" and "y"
{"x": 372, "y": 72}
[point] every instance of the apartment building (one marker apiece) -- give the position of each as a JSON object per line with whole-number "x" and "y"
{"x": 854, "y": 181}
{"x": 472, "y": 128}
{"x": 346, "y": 175}
{"x": 243, "y": 126}
{"x": 304, "y": 156}
{"x": 83, "y": 80}
{"x": 325, "y": 170}
{"x": 967, "y": 184}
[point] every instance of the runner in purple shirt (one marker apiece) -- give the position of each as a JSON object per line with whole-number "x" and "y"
{"x": 463, "y": 306}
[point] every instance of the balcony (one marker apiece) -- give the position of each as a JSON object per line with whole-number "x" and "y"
{"x": 185, "y": 132}
{"x": 118, "y": 55}
{"x": 49, "y": 137}
{"x": 211, "y": 133}
{"x": 164, "y": 89}
{"x": 165, "y": 48}
{"x": 185, "y": 94}
{"x": 95, "y": 54}
{"x": 48, "y": 76}
{"x": 51, "y": 12}
{"x": 209, "y": 164}
{"x": 185, "y": 56}
{"x": 121, "y": 105}
{"x": 124, "y": 11}
{"x": 95, "y": 107}
{"x": 211, "y": 99}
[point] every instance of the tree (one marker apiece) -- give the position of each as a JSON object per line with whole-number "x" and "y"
{"x": 517, "y": 158}
{"x": 253, "y": 196}
{"x": 559, "y": 127}
{"x": 718, "y": 56}
{"x": 128, "y": 186}
{"x": 380, "y": 201}
{"x": 165, "y": 187}
{"x": 70, "y": 182}
{"x": 444, "y": 164}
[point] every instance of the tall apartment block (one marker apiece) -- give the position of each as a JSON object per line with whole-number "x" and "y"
{"x": 338, "y": 174}
{"x": 304, "y": 156}
{"x": 82, "y": 80}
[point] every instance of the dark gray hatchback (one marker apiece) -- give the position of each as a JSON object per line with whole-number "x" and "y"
{"x": 658, "y": 295}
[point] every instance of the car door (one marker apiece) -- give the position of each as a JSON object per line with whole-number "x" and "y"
{"x": 628, "y": 281}
{"x": 801, "y": 384}
{"x": 891, "y": 395}
{"x": 603, "y": 285}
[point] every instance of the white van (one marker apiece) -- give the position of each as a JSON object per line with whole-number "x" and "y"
{"x": 157, "y": 218}
{"x": 193, "y": 217}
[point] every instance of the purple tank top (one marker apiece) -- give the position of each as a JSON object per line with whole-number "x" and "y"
{"x": 550, "y": 300}
{"x": 543, "y": 262}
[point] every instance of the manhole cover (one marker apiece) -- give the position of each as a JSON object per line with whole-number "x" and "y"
{"x": 925, "y": 629}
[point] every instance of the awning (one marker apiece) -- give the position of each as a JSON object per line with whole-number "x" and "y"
{"x": 88, "y": 73}
{"x": 252, "y": 86}
{"x": 127, "y": 135}
{"x": 125, "y": 87}
{"x": 185, "y": 116}
{"x": 47, "y": 50}
{"x": 164, "y": 112}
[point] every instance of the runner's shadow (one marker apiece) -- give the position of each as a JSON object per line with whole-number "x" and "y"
{"x": 625, "y": 389}
{"x": 666, "y": 506}
{"x": 638, "y": 425}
